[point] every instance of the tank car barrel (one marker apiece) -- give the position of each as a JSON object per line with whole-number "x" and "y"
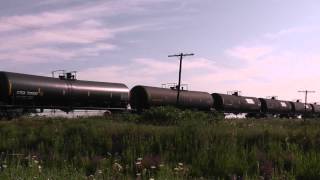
{"x": 144, "y": 97}
{"x": 38, "y": 91}
{"x": 236, "y": 104}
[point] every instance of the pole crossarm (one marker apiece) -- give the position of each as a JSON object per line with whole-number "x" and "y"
{"x": 178, "y": 55}
{"x": 181, "y": 55}
{"x": 307, "y": 91}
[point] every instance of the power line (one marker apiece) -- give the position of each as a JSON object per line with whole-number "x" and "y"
{"x": 181, "y": 55}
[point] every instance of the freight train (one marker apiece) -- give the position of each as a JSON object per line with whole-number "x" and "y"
{"x": 144, "y": 97}
{"x": 23, "y": 93}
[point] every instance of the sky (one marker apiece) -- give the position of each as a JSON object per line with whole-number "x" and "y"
{"x": 259, "y": 47}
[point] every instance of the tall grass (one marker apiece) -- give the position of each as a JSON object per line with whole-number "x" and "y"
{"x": 163, "y": 143}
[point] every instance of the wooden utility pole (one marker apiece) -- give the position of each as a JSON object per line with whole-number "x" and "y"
{"x": 181, "y": 55}
{"x": 306, "y": 98}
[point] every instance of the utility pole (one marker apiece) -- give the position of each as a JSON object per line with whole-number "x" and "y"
{"x": 306, "y": 98}
{"x": 181, "y": 55}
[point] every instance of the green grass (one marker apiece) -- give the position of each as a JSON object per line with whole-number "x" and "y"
{"x": 172, "y": 144}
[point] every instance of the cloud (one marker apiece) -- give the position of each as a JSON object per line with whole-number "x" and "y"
{"x": 147, "y": 71}
{"x": 37, "y": 21}
{"x": 254, "y": 80}
{"x": 290, "y": 31}
{"x": 67, "y": 33}
{"x": 260, "y": 78}
{"x": 44, "y": 55}
{"x": 200, "y": 63}
{"x": 155, "y": 67}
{"x": 249, "y": 53}
{"x": 266, "y": 78}
{"x": 37, "y": 55}
{"x": 271, "y": 68}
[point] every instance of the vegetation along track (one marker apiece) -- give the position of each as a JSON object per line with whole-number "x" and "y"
{"x": 162, "y": 143}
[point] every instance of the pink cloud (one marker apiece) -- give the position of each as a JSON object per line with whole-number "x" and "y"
{"x": 145, "y": 71}
{"x": 41, "y": 20}
{"x": 249, "y": 53}
{"x": 260, "y": 78}
{"x": 79, "y": 29}
{"x": 290, "y": 31}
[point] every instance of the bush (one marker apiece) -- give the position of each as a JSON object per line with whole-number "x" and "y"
{"x": 168, "y": 115}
